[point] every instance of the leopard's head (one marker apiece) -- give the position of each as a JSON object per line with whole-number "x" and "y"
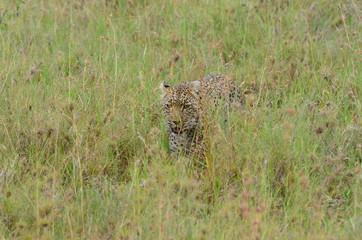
{"x": 181, "y": 105}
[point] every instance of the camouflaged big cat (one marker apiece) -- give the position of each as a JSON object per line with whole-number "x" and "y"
{"x": 183, "y": 107}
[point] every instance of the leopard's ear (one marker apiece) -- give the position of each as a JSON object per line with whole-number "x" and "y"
{"x": 195, "y": 86}
{"x": 165, "y": 89}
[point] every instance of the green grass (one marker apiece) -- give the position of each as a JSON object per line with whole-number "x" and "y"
{"x": 82, "y": 138}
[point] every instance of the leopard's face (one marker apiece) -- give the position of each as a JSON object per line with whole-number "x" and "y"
{"x": 181, "y": 106}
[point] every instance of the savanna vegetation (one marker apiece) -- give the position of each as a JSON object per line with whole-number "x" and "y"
{"x": 83, "y": 146}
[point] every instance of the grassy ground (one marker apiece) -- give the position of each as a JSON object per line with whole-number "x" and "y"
{"x": 82, "y": 139}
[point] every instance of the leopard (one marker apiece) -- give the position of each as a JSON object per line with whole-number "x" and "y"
{"x": 184, "y": 105}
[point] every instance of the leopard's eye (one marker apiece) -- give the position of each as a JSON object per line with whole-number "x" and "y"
{"x": 187, "y": 106}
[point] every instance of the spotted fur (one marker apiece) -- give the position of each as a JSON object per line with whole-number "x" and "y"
{"x": 183, "y": 106}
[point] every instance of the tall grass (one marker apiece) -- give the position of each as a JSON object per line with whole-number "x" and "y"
{"x": 83, "y": 145}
